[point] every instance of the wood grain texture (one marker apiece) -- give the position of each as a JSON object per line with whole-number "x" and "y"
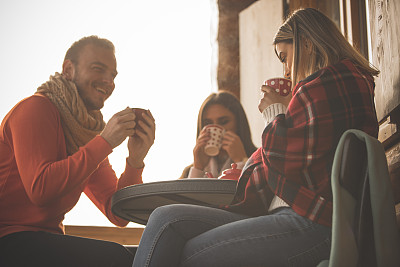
{"x": 123, "y": 236}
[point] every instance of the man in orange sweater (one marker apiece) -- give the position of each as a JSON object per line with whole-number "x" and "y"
{"x": 54, "y": 145}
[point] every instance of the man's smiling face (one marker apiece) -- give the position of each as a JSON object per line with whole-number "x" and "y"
{"x": 94, "y": 75}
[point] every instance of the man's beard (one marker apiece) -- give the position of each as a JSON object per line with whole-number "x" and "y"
{"x": 85, "y": 98}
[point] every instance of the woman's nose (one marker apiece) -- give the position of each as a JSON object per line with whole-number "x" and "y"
{"x": 287, "y": 73}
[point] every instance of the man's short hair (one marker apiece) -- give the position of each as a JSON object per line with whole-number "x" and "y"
{"x": 75, "y": 49}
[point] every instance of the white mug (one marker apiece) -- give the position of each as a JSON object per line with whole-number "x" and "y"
{"x": 214, "y": 144}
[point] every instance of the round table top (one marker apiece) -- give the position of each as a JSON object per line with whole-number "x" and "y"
{"x": 136, "y": 202}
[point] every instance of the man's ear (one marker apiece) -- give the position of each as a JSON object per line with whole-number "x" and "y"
{"x": 68, "y": 69}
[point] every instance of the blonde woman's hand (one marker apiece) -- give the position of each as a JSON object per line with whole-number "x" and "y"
{"x": 140, "y": 143}
{"x": 269, "y": 97}
{"x": 200, "y": 158}
{"x": 233, "y": 145}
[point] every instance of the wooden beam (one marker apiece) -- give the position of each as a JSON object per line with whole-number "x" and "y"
{"x": 123, "y": 236}
{"x": 353, "y": 24}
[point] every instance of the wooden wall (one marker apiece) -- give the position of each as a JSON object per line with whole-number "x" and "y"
{"x": 385, "y": 46}
{"x": 385, "y": 40}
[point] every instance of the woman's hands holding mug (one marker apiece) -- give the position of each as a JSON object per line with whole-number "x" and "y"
{"x": 276, "y": 90}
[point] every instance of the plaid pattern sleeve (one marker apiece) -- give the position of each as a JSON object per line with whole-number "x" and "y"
{"x": 297, "y": 150}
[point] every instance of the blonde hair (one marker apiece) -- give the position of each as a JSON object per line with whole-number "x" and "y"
{"x": 328, "y": 44}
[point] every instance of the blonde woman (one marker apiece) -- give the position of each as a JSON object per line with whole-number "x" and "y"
{"x": 282, "y": 211}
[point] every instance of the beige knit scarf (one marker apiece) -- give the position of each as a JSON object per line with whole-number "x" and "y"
{"x": 79, "y": 124}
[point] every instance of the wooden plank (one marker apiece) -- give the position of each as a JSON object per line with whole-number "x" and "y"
{"x": 387, "y": 131}
{"x": 123, "y": 236}
{"x": 385, "y": 42}
{"x": 398, "y": 215}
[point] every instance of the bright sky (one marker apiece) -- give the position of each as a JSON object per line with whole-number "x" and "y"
{"x": 163, "y": 58}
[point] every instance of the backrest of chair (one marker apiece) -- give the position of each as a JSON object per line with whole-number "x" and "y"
{"x": 354, "y": 178}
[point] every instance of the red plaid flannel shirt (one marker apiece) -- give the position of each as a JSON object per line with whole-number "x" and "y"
{"x": 297, "y": 151}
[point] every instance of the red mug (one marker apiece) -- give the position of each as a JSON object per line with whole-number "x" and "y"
{"x": 139, "y": 116}
{"x": 282, "y": 86}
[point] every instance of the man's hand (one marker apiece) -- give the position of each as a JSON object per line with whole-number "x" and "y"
{"x": 140, "y": 143}
{"x": 120, "y": 126}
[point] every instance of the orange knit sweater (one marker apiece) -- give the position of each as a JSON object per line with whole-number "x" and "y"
{"x": 39, "y": 183}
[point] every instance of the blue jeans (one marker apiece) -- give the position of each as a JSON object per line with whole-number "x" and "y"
{"x": 188, "y": 235}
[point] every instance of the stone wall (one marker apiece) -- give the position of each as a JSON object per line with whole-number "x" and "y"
{"x": 225, "y": 43}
